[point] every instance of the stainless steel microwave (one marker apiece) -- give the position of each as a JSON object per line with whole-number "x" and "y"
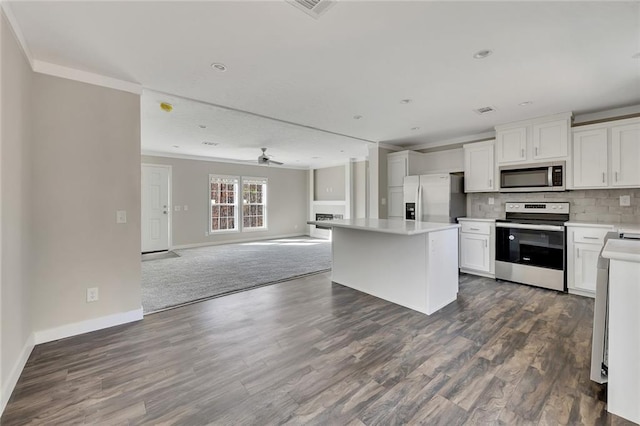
{"x": 533, "y": 177}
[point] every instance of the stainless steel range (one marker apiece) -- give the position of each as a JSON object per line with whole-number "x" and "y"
{"x": 531, "y": 244}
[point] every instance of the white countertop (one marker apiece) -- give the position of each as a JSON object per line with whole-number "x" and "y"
{"x": 398, "y": 227}
{"x": 628, "y": 227}
{"x": 476, "y": 219}
{"x": 628, "y": 250}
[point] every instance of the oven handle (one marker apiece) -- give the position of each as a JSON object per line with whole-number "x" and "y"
{"x": 530, "y": 226}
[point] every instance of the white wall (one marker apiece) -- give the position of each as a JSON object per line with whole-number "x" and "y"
{"x": 360, "y": 189}
{"x": 86, "y": 166}
{"x": 287, "y": 195}
{"x": 15, "y": 236}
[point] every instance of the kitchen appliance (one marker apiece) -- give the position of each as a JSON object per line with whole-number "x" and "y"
{"x": 434, "y": 198}
{"x": 531, "y": 244}
{"x": 600, "y": 335}
{"x": 533, "y": 177}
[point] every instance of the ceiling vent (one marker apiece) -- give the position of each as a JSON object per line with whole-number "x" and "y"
{"x": 484, "y": 110}
{"x": 210, "y": 143}
{"x": 313, "y": 8}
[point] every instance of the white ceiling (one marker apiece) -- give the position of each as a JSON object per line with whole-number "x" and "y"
{"x": 360, "y": 58}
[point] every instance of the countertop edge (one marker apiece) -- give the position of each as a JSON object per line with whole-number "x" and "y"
{"x": 440, "y": 227}
{"x": 626, "y": 250}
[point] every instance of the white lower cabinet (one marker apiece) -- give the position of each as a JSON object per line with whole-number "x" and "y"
{"x": 477, "y": 247}
{"x": 583, "y": 248}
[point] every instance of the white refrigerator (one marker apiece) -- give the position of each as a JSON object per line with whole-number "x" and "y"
{"x": 434, "y": 198}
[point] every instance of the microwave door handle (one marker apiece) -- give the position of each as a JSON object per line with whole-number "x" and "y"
{"x": 550, "y": 176}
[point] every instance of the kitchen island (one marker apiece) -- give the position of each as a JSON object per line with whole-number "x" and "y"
{"x": 413, "y": 264}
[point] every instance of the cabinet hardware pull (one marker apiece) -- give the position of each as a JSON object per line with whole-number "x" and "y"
{"x": 591, "y": 238}
{"x": 522, "y": 153}
{"x": 486, "y": 244}
{"x": 616, "y": 176}
{"x": 536, "y": 151}
{"x": 577, "y": 252}
{"x": 490, "y": 183}
{"x": 474, "y": 229}
{"x": 602, "y": 177}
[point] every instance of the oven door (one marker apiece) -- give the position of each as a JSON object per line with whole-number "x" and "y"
{"x": 532, "y": 245}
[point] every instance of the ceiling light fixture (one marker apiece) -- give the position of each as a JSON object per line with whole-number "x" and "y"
{"x": 210, "y": 143}
{"x": 202, "y": 126}
{"x": 525, "y": 103}
{"x": 405, "y": 101}
{"x": 357, "y": 117}
{"x": 219, "y": 67}
{"x": 415, "y": 128}
{"x": 481, "y": 54}
{"x": 176, "y": 146}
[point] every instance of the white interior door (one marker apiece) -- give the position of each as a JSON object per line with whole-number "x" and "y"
{"x": 155, "y": 208}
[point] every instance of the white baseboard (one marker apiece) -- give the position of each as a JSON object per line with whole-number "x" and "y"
{"x": 477, "y": 273}
{"x": 242, "y": 240}
{"x": 16, "y": 371}
{"x": 68, "y": 330}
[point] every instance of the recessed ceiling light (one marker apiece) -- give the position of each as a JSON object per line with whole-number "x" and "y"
{"x": 202, "y": 126}
{"x": 405, "y": 101}
{"x": 481, "y": 54}
{"x": 525, "y": 103}
{"x": 342, "y": 150}
{"x": 210, "y": 143}
{"x": 219, "y": 67}
{"x": 314, "y": 158}
{"x": 415, "y": 128}
{"x": 357, "y": 117}
{"x": 176, "y": 146}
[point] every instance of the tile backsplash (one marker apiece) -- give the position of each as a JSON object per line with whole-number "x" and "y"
{"x": 591, "y": 205}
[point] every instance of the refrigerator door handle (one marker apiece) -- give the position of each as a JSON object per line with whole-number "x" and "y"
{"x": 419, "y": 202}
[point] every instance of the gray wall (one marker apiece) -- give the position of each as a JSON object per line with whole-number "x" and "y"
{"x": 598, "y": 206}
{"x": 15, "y": 236}
{"x": 329, "y": 184}
{"x": 287, "y": 200}
{"x": 382, "y": 182}
{"x": 85, "y": 165}
{"x": 360, "y": 189}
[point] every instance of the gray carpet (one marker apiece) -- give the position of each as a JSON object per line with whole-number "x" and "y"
{"x": 205, "y": 272}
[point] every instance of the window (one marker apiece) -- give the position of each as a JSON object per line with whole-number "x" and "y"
{"x": 224, "y": 203}
{"x": 254, "y": 203}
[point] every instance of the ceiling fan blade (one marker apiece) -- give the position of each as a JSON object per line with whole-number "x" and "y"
{"x": 275, "y": 162}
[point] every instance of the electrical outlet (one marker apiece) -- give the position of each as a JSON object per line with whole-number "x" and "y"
{"x": 625, "y": 200}
{"x": 383, "y": 201}
{"x": 121, "y": 216}
{"x": 492, "y": 201}
{"x": 185, "y": 208}
{"x": 92, "y": 294}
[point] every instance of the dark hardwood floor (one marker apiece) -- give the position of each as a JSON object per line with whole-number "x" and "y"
{"x": 312, "y": 352}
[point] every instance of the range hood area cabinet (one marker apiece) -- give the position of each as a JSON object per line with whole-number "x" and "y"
{"x": 606, "y": 155}
{"x": 538, "y": 140}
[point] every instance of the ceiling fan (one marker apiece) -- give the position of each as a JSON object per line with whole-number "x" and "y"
{"x": 265, "y": 159}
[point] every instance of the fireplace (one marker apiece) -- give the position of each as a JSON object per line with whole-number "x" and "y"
{"x": 327, "y": 216}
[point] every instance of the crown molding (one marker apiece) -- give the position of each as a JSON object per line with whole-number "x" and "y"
{"x": 391, "y": 147}
{"x": 7, "y": 12}
{"x": 86, "y": 77}
{"x": 454, "y": 141}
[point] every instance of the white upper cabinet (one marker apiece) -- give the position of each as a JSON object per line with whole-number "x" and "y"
{"x": 590, "y": 159}
{"x": 625, "y": 155}
{"x": 511, "y": 145}
{"x": 551, "y": 139}
{"x": 606, "y": 155}
{"x": 538, "y": 140}
{"x": 479, "y": 167}
{"x": 396, "y": 170}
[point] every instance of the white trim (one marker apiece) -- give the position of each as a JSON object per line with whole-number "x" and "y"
{"x": 81, "y": 327}
{"x": 391, "y": 147}
{"x": 329, "y": 203}
{"x": 85, "y": 77}
{"x": 454, "y": 141}
{"x": 607, "y": 114}
{"x": 240, "y": 240}
{"x": 17, "y": 31}
{"x": 16, "y": 371}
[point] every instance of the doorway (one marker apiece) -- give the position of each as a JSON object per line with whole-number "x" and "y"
{"x": 155, "y": 208}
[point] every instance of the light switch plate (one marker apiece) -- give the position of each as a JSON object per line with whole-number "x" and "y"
{"x": 625, "y": 200}
{"x": 121, "y": 216}
{"x": 383, "y": 201}
{"x": 185, "y": 208}
{"x": 92, "y": 294}
{"x": 177, "y": 208}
